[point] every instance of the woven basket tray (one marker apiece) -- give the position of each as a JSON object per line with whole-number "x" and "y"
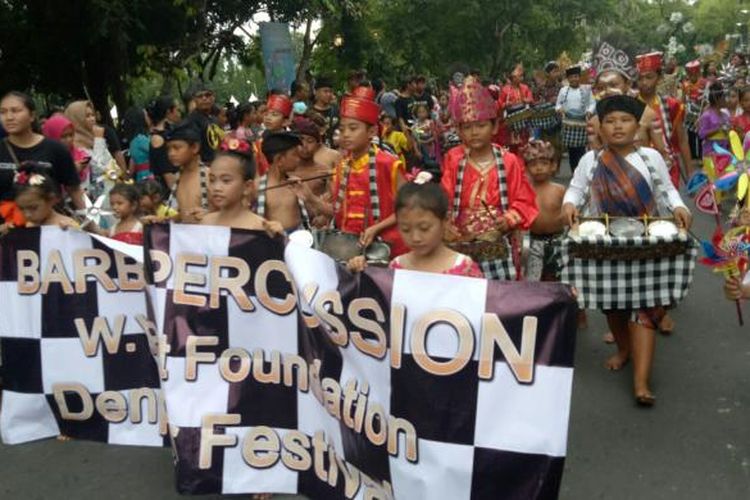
{"x": 481, "y": 250}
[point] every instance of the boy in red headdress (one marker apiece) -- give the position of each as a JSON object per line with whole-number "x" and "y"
{"x": 366, "y": 180}
{"x": 668, "y": 110}
{"x": 275, "y": 119}
{"x": 486, "y": 185}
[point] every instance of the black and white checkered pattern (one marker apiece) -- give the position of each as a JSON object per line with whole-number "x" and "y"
{"x": 574, "y": 135}
{"x": 477, "y": 439}
{"x": 628, "y": 284}
{"x": 497, "y": 269}
{"x": 40, "y": 347}
{"x": 261, "y": 204}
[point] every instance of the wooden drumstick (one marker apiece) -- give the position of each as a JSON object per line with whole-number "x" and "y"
{"x": 305, "y": 179}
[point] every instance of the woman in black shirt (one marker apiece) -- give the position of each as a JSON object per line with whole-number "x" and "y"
{"x": 163, "y": 113}
{"x": 24, "y": 146}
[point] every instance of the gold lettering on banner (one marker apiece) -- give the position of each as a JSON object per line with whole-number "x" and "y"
{"x": 396, "y": 424}
{"x": 225, "y": 364}
{"x": 332, "y": 397}
{"x": 350, "y": 472}
{"x": 398, "y": 318}
{"x": 465, "y": 337}
{"x": 261, "y": 447}
{"x": 356, "y": 307}
{"x": 494, "y": 333}
{"x": 112, "y": 406}
{"x": 375, "y": 410}
{"x": 193, "y": 356}
{"x": 336, "y": 329}
{"x": 295, "y": 454}
{"x": 261, "y": 288}
{"x": 184, "y": 278}
{"x": 164, "y": 270}
{"x": 27, "y": 263}
{"x": 273, "y": 376}
{"x": 136, "y": 398}
{"x": 98, "y": 270}
{"x": 125, "y": 271}
{"x": 231, "y": 284}
{"x": 209, "y": 439}
{"x": 87, "y": 404}
{"x": 290, "y": 362}
{"x": 308, "y": 294}
{"x": 55, "y": 273}
{"x": 100, "y": 330}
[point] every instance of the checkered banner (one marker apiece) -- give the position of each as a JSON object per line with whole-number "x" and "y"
{"x": 629, "y": 273}
{"x": 286, "y": 374}
{"x": 75, "y": 342}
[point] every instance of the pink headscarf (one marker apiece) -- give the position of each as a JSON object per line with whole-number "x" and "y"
{"x": 55, "y": 126}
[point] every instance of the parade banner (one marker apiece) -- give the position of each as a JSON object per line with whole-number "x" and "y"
{"x": 75, "y": 342}
{"x": 284, "y": 373}
{"x": 278, "y": 55}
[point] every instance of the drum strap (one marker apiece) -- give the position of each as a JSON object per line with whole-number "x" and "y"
{"x": 261, "y": 208}
{"x": 666, "y": 122}
{"x": 501, "y": 179}
{"x": 585, "y": 97}
{"x": 660, "y": 192}
{"x": 203, "y": 179}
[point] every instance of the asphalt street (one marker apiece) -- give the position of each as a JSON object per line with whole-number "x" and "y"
{"x": 694, "y": 444}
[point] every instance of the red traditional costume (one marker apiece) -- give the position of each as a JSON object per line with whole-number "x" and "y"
{"x": 364, "y": 188}
{"x": 511, "y": 96}
{"x": 479, "y": 197}
{"x": 282, "y": 104}
{"x": 669, "y": 112}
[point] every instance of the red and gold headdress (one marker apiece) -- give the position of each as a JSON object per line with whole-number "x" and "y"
{"x": 360, "y": 105}
{"x": 693, "y": 67}
{"x": 649, "y": 62}
{"x": 473, "y": 103}
{"x": 280, "y": 103}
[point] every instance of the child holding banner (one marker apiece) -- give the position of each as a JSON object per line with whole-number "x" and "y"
{"x": 421, "y": 217}
{"x": 36, "y": 195}
{"x": 190, "y": 190}
{"x": 232, "y": 181}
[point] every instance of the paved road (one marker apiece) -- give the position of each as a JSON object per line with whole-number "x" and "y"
{"x": 695, "y": 444}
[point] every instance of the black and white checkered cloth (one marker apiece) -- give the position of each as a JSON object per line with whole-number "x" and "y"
{"x": 574, "y": 135}
{"x": 41, "y": 347}
{"x": 478, "y": 439}
{"x": 607, "y": 283}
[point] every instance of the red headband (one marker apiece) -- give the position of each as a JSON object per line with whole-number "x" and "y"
{"x": 280, "y": 103}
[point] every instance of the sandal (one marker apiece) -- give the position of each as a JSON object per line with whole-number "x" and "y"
{"x": 646, "y": 400}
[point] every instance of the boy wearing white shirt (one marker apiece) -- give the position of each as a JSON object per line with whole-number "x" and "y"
{"x": 623, "y": 180}
{"x": 575, "y": 104}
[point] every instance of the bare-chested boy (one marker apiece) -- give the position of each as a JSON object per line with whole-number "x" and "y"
{"x": 190, "y": 190}
{"x": 280, "y": 198}
{"x": 315, "y": 158}
{"x": 544, "y": 258}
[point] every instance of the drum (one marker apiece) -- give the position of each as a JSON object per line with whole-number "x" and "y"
{"x": 337, "y": 245}
{"x": 491, "y": 245}
{"x": 545, "y": 117}
{"x": 517, "y": 117}
{"x": 574, "y": 134}
{"x": 378, "y": 254}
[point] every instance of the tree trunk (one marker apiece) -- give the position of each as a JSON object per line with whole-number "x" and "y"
{"x": 307, "y": 48}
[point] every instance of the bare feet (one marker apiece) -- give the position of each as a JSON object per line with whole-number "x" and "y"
{"x": 644, "y": 397}
{"x": 608, "y": 338}
{"x": 63, "y": 437}
{"x": 617, "y": 361}
{"x": 666, "y": 326}
{"x": 262, "y": 496}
